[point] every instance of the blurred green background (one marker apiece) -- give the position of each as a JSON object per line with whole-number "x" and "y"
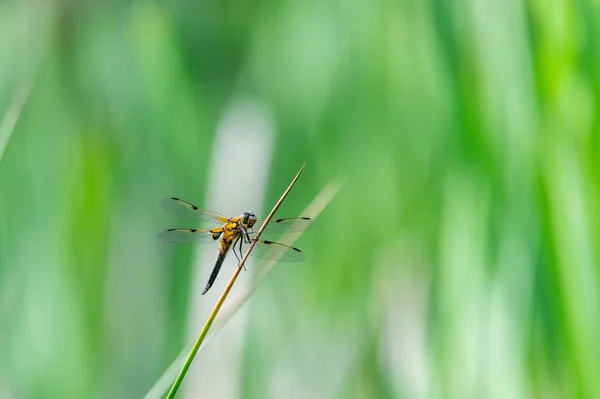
{"x": 458, "y": 260}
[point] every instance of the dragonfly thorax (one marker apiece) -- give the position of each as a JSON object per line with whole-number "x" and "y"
{"x": 248, "y": 219}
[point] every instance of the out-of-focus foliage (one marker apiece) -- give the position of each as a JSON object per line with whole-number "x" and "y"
{"x": 460, "y": 259}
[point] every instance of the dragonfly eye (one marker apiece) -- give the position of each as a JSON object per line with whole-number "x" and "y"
{"x": 248, "y": 218}
{"x": 245, "y": 217}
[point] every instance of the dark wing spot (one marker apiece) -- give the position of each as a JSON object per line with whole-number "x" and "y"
{"x": 194, "y": 207}
{"x": 193, "y": 230}
{"x": 296, "y": 249}
{"x": 171, "y": 229}
{"x": 268, "y": 242}
{"x": 283, "y": 220}
{"x": 176, "y": 199}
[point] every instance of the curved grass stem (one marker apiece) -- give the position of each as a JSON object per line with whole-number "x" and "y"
{"x": 226, "y": 291}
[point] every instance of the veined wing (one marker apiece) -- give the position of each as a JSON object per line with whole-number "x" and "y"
{"x": 273, "y": 250}
{"x": 289, "y": 225}
{"x": 184, "y": 236}
{"x": 186, "y": 210}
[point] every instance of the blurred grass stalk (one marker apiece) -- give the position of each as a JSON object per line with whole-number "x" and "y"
{"x": 12, "y": 114}
{"x": 7, "y": 127}
{"x": 246, "y": 127}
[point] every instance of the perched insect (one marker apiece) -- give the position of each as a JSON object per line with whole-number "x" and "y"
{"x": 233, "y": 232}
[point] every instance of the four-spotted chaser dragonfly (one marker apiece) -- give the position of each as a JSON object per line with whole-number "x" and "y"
{"x": 233, "y": 232}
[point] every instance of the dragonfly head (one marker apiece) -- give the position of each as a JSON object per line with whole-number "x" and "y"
{"x": 248, "y": 218}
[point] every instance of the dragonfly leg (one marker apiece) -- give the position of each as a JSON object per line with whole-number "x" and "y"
{"x": 239, "y": 258}
{"x": 234, "y": 249}
{"x": 241, "y": 253}
{"x": 246, "y": 235}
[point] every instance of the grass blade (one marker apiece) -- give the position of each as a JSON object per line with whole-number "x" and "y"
{"x": 11, "y": 117}
{"x": 221, "y": 299}
{"x": 313, "y": 210}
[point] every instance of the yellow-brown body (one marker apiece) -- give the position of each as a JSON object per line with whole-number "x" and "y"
{"x": 230, "y": 234}
{"x": 233, "y": 231}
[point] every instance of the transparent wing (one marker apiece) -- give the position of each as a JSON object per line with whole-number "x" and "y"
{"x": 290, "y": 225}
{"x": 186, "y": 210}
{"x": 273, "y": 250}
{"x": 184, "y": 236}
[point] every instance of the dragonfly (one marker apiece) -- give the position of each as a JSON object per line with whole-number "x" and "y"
{"x": 233, "y": 232}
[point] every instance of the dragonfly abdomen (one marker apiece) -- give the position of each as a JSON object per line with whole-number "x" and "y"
{"x": 223, "y": 248}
